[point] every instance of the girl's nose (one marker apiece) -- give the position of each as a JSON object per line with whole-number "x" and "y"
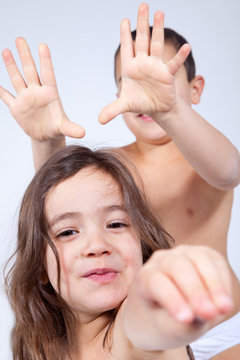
{"x": 96, "y": 245}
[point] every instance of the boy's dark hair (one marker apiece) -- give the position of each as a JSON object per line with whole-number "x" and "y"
{"x": 177, "y": 40}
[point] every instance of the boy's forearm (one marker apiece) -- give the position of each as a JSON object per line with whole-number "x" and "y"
{"x": 43, "y": 150}
{"x": 210, "y": 153}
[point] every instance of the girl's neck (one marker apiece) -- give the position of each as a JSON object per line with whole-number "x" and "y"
{"x": 89, "y": 335}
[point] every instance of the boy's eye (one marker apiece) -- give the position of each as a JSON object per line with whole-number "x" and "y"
{"x": 116, "y": 225}
{"x": 67, "y": 233}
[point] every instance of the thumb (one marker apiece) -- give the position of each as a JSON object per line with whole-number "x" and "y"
{"x": 177, "y": 61}
{"x": 112, "y": 110}
{"x": 6, "y": 97}
{"x": 72, "y": 130}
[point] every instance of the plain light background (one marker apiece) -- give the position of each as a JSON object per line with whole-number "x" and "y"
{"x": 83, "y": 36}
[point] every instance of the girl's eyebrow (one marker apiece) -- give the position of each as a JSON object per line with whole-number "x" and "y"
{"x": 76, "y": 215}
{"x": 67, "y": 215}
{"x": 109, "y": 208}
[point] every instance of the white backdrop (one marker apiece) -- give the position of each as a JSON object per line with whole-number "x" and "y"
{"x": 82, "y": 36}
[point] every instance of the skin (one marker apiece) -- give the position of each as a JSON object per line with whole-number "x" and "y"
{"x": 100, "y": 234}
{"x": 149, "y": 132}
{"x": 187, "y": 185}
{"x": 231, "y": 354}
{"x": 185, "y": 206}
{"x": 191, "y": 209}
{"x": 89, "y": 236}
{"x": 159, "y": 162}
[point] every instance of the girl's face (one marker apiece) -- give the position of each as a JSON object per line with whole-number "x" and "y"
{"x": 99, "y": 251}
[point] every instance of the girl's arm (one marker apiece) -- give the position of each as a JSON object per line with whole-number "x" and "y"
{"x": 177, "y": 296}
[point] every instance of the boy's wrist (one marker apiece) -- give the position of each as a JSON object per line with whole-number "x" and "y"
{"x": 43, "y": 150}
{"x": 59, "y": 141}
{"x": 177, "y": 111}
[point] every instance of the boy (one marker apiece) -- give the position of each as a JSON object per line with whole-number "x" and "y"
{"x": 188, "y": 168}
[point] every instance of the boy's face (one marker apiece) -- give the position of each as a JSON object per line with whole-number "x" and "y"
{"x": 99, "y": 251}
{"x": 143, "y": 127}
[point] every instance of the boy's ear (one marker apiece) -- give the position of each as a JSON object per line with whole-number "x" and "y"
{"x": 117, "y": 94}
{"x": 197, "y": 86}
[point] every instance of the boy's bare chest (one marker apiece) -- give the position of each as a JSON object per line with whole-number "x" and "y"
{"x": 188, "y": 207}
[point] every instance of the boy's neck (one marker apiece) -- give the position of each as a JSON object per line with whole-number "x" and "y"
{"x": 147, "y": 151}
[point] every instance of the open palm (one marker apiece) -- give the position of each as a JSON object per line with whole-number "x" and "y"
{"x": 37, "y": 106}
{"x": 147, "y": 83}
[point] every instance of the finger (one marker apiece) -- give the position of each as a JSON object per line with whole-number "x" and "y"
{"x": 157, "y": 41}
{"x": 6, "y": 97}
{"x": 143, "y": 36}
{"x": 191, "y": 285}
{"x": 13, "y": 71}
{"x": 127, "y": 51}
{"x": 214, "y": 271}
{"x": 46, "y": 66}
{"x": 112, "y": 110}
{"x": 177, "y": 61}
{"x": 28, "y": 64}
{"x": 72, "y": 130}
{"x": 160, "y": 289}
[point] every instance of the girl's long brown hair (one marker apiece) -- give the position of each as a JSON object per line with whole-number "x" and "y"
{"x": 43, "y": 321}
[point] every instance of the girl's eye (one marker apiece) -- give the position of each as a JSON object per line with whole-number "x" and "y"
{"x": 67, "y": 233}
{"x": 116, "y": 225}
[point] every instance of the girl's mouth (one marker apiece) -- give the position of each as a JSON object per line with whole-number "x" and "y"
{"x": 102, "y": 276}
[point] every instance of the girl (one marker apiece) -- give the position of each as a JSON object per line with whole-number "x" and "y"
{"x": 94, "y": 275}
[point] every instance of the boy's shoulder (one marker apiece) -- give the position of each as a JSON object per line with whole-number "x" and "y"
{"x": 155, "y": 157}
{"x": 168, "y": 177}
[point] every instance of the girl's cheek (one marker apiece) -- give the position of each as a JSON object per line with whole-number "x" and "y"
{"x": 51, "y": 269}
{"x": 51, "y": 266}
{"x": 133, "y": 254}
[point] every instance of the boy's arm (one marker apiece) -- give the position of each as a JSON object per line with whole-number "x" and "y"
{"x": 209, "y": 152}
{"x": 177, "y": 296}
{"x": 43, "y": 150}
{"x": 149, "y": 87}
{"x": 37, "y": 107}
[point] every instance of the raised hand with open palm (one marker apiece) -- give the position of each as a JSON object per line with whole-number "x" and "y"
{"x": 147, "y": 83}
{"x": 37, "y": 107}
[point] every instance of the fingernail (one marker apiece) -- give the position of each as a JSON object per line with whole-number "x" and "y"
{"x": 185, "y": 315}
{"x": 225, "y": 301}
{"x": 207, "y": 305}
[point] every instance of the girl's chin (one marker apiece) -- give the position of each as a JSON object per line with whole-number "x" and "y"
{"x": 101, "y": 305}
